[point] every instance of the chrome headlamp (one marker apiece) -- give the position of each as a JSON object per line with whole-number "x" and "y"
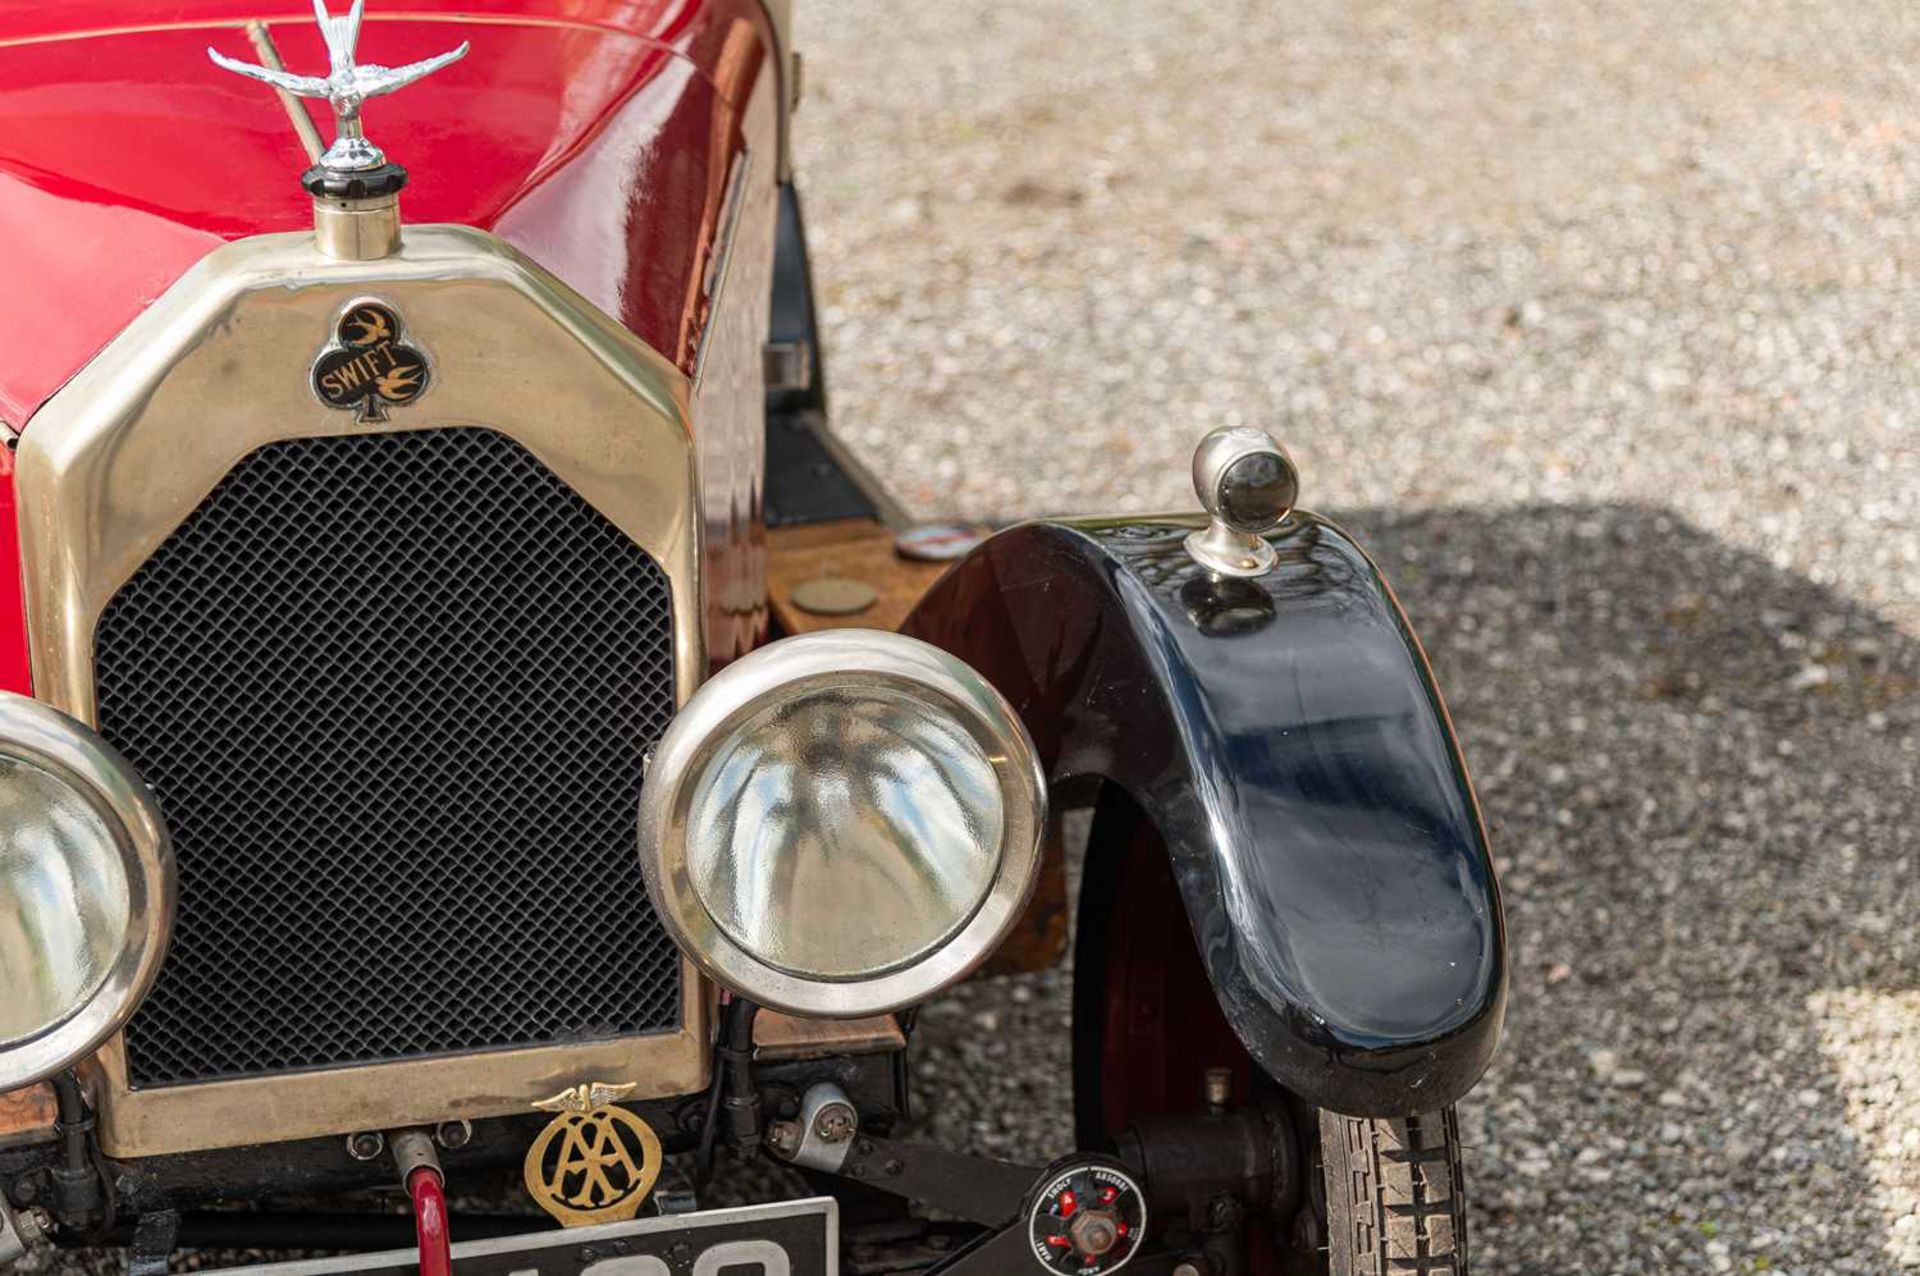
{"x": 86, "y": 891}
{"x": 842, "y": 823}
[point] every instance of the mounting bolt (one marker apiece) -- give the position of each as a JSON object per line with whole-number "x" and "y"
{"x": 1219, "y": 1089}
{"x": 784, "y": 1138}
{"x": 1224, "y": 1214}
{"x": 367, "y": 1145}
{"x": 453, "y": 1135}
{"x": 835, "y": 1123}
{"x": 1094, "y": 1232}
{"x": 34, "y": 1225}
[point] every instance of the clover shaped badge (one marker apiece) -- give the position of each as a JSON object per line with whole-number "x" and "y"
{"x": 369, "y": 367}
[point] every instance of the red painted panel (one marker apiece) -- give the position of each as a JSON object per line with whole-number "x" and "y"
{"x": 597, "y": 136}
{"x": 56, "y": 308}
{"x": 125, "y": 155}
{"x": 16, "y": 670}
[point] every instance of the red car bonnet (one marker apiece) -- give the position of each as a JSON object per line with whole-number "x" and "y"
{"x": 594, "y": 136}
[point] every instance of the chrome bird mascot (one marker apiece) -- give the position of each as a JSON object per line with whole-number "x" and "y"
{"x": 345, "y": 86}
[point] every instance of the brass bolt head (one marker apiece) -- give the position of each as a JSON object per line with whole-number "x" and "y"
{"x": 835, "y": 1123}
{"x": 784, "y": 1137}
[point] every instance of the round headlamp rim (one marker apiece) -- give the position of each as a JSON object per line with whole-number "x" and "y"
{"x": 853, "y": 658}
{"x": 43, "y": 737}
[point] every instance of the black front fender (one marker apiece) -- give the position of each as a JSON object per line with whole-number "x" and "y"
{"x": 1285, "y": 736}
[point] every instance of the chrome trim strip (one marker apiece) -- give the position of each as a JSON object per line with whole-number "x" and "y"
{"x": 218, "y": 367}
{"x": 788, "y": 74}
{"x": 729, "y": 388}
{"x": 720, "y": 260}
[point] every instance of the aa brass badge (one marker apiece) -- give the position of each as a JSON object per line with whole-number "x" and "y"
{"x": 594, "y": 1163}
{"x": 369, "y": 366}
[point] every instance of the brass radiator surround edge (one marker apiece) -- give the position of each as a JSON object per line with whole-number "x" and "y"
{"x": 218, "y": 367}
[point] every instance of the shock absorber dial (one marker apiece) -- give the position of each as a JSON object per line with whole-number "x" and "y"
{"x": 1088, "y": 1218}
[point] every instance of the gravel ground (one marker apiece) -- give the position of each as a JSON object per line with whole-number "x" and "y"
{"x": 1601, "y": 326}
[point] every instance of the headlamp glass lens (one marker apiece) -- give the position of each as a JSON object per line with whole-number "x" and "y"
{"x": 64, "y": 907}
{"x": 845, "y": 831}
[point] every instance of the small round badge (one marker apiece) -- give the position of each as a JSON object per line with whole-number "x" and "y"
{"x": 1088, "y": 1219}
{"x": 834, "y": 596}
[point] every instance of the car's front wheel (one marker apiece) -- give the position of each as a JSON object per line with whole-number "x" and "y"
{"x": 1395, "y": 1203}
{"x": 1372, "y": 1197}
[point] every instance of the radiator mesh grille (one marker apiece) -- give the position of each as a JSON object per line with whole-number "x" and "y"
{"x": 393, "y": 692}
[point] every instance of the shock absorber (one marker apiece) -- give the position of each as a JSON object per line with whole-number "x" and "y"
{"x": 1217, "y": 1171}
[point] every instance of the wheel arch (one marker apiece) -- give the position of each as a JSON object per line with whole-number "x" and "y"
{"x": 1284, "y": 741}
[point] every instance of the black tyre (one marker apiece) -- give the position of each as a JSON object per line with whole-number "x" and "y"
{"x": 1395, "y": 1198}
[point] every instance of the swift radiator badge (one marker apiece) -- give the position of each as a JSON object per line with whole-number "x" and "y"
{"x": 594, "y": 1163}
{"x": 369, "y": 367}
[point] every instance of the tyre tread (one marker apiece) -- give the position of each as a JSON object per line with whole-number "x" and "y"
{"x": 1396, "y": 1197}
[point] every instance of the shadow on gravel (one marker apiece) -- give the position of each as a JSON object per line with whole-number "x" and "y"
{"x": 1700, "y": 775}
{"x": 1701, "y": 779}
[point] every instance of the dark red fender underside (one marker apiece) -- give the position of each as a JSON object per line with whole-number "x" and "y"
{"x": 597, "y": 136}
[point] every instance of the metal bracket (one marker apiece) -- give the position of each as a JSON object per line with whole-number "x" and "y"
{"x": 154, "y": 1239}
{"x": 20, "y": 1230}
{"x": 976, "y": 1188}
{"x": 980, "y": 1190}
{"x": 822, "y": 1136}
{"x": 789, "y": 367}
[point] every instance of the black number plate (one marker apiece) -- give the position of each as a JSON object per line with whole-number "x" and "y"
{"x": 794, "y": 1238}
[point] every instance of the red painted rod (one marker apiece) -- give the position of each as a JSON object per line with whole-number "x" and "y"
{"x": 430, "y": 1221}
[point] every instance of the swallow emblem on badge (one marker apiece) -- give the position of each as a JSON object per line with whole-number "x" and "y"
{"x": 368, "y": 367}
